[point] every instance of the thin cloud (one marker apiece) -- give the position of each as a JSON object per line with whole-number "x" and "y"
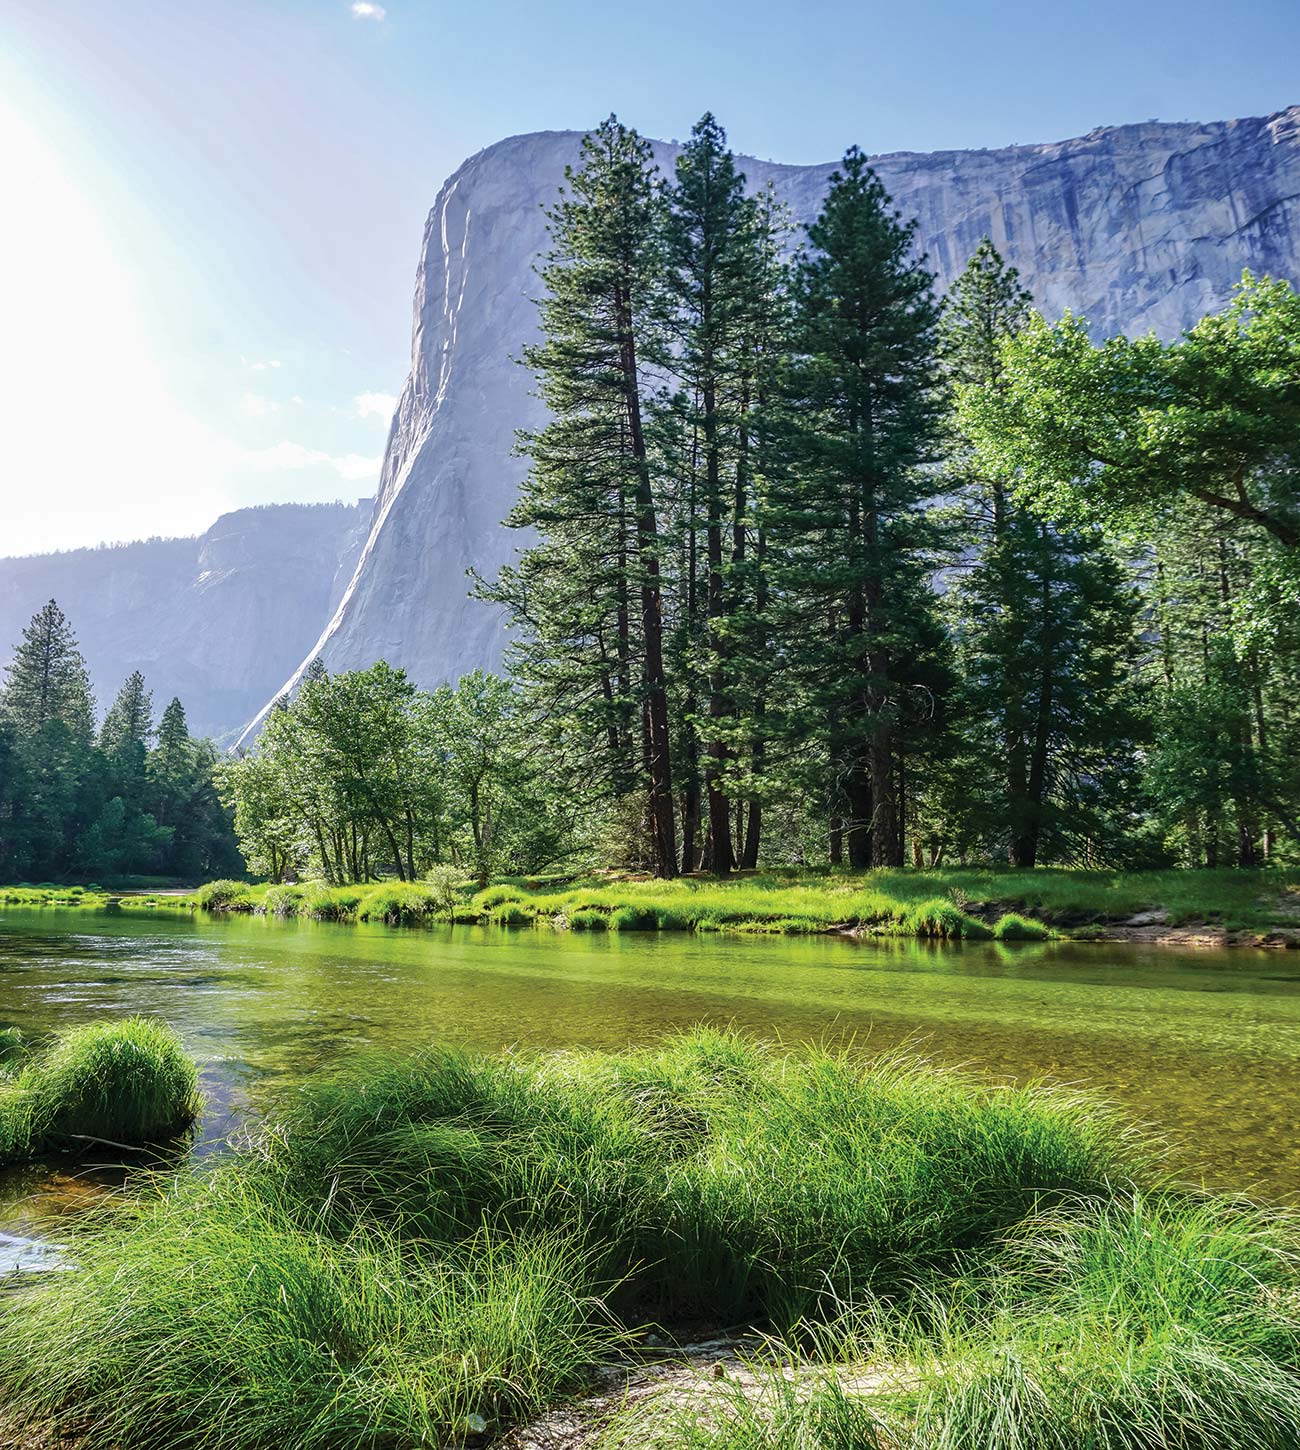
{"x": 288, "y": 455}
{"x": 260, "y": 366}
{"x": 375, "y": 405}
{"x": 254, "y": 405}
{"x": 365, "y": 10}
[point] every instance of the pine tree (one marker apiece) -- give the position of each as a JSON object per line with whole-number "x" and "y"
{"x": 847, "y": 517}
{"x": 717, "y": 246}
{"x": 128, "y": 726}
{"x": 47, "y": 680}
{"x": 588, "y": 595}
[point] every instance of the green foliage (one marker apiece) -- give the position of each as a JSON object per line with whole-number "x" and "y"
{"x": 70, "y": 805}
{"x": 363, "y": 775}
{"x": 1134, "y": 428}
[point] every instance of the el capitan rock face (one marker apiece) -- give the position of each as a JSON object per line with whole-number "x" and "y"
{"x": 1137, "y": 227}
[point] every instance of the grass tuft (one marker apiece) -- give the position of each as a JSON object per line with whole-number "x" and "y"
{"x": 119, "y": 1082}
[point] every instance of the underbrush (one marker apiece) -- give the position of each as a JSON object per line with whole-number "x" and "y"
{"x": 426, "y": 1251}
{"x": 126, "y": 1082}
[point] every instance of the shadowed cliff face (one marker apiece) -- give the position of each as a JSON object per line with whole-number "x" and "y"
{"x": 1137, "y": 227}
{"x": 219, "y": 620}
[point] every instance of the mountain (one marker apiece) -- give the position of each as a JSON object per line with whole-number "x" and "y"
{"x": 1137, "y": 227}
{"x": 220, "y": 620}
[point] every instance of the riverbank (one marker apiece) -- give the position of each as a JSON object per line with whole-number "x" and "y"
{"x": 1193, "y": 908}
{"x": 443, "y": 1249}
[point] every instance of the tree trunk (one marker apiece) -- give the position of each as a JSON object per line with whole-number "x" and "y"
{"x": 654, "y": 708}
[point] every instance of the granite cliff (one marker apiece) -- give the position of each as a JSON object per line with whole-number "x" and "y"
{"x": 219, "y": 620}
{"x": 1137, "y": 227}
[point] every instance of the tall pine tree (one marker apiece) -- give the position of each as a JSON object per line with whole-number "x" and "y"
{"x": 588, "y": 595}
{"x": 847, "y": 515}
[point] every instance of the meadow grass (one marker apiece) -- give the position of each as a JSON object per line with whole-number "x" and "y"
{"x": 126, "y": 1082}
{"x": 426, "y": 1251}
{"x": 743, "y": 1180}
{"x": 214, "y": 1321}
{"x": 1137, "y": 1323}
{"x": 950, "y": 904}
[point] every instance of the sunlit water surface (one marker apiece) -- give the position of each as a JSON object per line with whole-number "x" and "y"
{"x": 1205, "y": 1045}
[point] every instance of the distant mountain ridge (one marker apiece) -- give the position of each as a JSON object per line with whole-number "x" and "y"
{"x": 219, "y": 619}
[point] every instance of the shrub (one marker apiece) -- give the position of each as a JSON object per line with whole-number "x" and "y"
{"x": 587, "y": 918}
{"x": 1013, "y": 927}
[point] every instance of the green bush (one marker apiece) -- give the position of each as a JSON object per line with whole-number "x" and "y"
{"x": 587, "y": 918}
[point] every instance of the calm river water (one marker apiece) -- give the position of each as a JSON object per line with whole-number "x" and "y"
{"x": 1204, "y": 1045}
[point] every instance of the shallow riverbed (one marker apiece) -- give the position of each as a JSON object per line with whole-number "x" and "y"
{"x": 1205, "y": 1045}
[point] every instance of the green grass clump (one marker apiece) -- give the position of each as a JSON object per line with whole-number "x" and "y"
{"x": 128, "y": 1081}
{"x": 1011, "y": 926}
{"x": 1143, "y": 1321}
{"x": 214, "y": 1321}
{"x": 398, "y": 903}
{"x": 224, "y": 896}
{"x": 513, "y": 913}
{"x": 284, "y": 901}
{"x": 120, "y": 1082}
{"x": 1137, "y": 1322}
{"x": 739, "y": 1178}
{"x": 425, "y": 1251}
{"x": 939, "y": 919}
{"x": 497, "y": 895}
{"x": 634, "y": 918}
{"x": 587, "y": 918}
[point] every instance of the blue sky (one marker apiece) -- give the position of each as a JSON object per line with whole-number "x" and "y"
{"x": 214, "y": 207}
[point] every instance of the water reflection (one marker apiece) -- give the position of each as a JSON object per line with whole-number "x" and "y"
{"x": 1206, "y": 1045}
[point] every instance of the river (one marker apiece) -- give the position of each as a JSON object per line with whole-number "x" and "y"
{"x": 1203, "y": 1045}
